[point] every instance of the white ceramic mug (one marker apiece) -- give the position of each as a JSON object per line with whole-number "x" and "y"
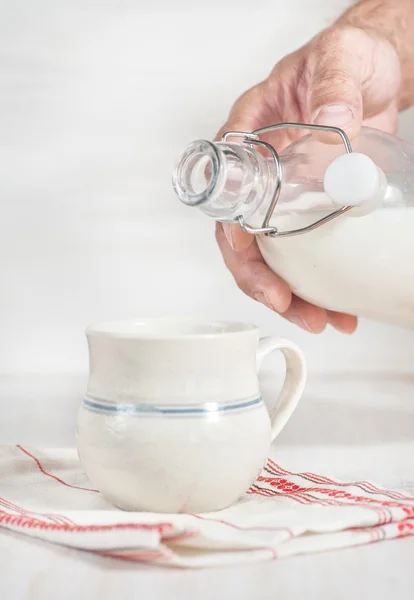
{"x": 173, "y": 420}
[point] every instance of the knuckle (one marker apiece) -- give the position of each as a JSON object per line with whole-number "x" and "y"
{"x": 248, "y": 276}
{"x": 246, "y": 110}
{"x": 331, "y": 39}
{"x": 330, "y": 77}
{"x": 249, "y": 97}
{"x": 335, "y": 57}
{"x": 331, "y": 83}
{"x": 244, "y": 286}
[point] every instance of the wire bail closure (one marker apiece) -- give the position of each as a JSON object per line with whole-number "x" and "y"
{"x": 252, "y": 139}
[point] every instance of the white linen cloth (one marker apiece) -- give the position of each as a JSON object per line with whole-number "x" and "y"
{"x": 45, "y": 494}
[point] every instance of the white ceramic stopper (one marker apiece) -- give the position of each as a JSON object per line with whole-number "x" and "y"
{"x": 353, "y": 180}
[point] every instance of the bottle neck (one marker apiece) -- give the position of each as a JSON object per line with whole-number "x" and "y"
{"x": 225, "y": 180}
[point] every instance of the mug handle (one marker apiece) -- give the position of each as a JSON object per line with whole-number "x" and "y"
{"x": 293, "y": 384}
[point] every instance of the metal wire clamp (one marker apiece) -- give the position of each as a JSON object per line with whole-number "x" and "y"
{"x": 252, "y": 139}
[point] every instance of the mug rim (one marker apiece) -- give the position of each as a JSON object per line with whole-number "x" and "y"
{"x": 129, "y": 328}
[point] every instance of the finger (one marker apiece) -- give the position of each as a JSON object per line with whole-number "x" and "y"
{"x": 307, "y": 316}
{"x": 259, "y": 107}
{"x": 314, "y": 318}
{"x": 236, "y": 237}
{"x": 342, "y": 322}
{"x": 253, "y": 276}
{"x": 249, "y": 112}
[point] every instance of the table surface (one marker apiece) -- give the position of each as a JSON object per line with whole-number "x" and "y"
{"x": 346, "y": 426}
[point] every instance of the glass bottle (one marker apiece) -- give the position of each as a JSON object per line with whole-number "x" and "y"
{"x": 354, "y": 210}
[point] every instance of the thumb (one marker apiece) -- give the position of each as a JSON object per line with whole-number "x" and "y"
{"x": 336, "y": 100}
{"x": 335, "y": 93}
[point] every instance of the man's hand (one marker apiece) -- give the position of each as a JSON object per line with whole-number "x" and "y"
{"x": 351, "y": 74}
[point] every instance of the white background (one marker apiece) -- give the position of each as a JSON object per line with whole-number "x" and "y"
{"x": 97, "y": 100}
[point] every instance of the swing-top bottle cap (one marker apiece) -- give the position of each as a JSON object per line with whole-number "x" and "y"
{"x": 353, "y": 180}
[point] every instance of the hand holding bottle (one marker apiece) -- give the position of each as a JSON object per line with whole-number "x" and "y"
{"x": 358, "y": 71}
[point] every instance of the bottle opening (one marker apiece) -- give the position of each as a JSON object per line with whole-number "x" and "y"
{"x": 196, "y": 173}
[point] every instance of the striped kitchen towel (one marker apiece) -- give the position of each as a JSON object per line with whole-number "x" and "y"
{"x": 45, "y": 494}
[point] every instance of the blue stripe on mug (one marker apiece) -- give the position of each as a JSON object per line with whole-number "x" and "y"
{"x": 141, "y": 408}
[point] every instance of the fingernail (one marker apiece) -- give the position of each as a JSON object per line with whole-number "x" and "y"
{"x": 335, "y": 115}
{"x": 263, "y": 299}
{"x": 228, "y": 232}
{"x": 300, "y": 322}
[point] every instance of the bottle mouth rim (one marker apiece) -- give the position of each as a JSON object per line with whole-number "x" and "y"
{"x": 184, "y": 191}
